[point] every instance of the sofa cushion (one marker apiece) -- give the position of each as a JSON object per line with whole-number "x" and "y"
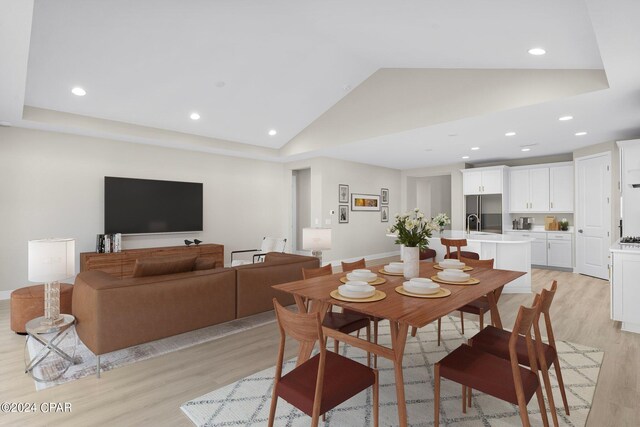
{"x": 163, "y": 265}
{"x": 204, "y": 264}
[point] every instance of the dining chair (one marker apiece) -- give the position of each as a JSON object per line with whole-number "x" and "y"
{"x": 428, "y": 253}
{"x": 346, "y": 268}
{"x": 496, "y": 341}
{"x": 481, "y": 305}
{"x": 458, "y": 244}
{"x": 493, "y": 375}
{"x": 323, "y": 382}
{"x": 346, "y": 322}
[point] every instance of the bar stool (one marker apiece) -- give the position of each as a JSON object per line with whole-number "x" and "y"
{"x": 458, "y": 243}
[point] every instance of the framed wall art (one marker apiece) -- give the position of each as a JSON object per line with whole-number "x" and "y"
{"x": 343, "y": 214}
{"x": 343, "y": 193}
{"x": 384, "y": 196}
{"x": 384, "y": 214}
{"x": 365, "y": 202}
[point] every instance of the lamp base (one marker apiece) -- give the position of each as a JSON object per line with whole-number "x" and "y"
{"x": 317, "y": 254}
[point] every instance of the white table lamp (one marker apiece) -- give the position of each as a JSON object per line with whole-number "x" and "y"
{"x": 51, "y": 260}
{"x": 316, "y": 240}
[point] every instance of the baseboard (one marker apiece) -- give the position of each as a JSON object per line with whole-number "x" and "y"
{"x": 337, "y": 263}
{"x": 5, "y": 295}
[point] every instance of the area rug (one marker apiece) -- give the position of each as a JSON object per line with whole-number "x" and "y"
{"x": 86, "y": 361}
{"x": 246, "y": 402}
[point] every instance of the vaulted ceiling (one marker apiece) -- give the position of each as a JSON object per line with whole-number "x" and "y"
{"x": 388, "y": 83}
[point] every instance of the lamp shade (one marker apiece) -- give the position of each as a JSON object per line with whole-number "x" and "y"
{"x": 51, "y": 260}
{"x": 316, "y": 239}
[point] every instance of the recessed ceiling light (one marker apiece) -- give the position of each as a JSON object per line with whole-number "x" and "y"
{"x": 565, "y": 118}
{"x": 78, "y": 91}
{"x": 526, "y": 149}
{"x": 428, "y": 149}
{"x": 453, "y": 135}
{"x": 273, "y": 132}
{"x": 465, "y": 157}
{"x": 510, "y": 134}
{"x": 475, "y": 148}
{"x": 220, "y": 84}
{"x": 537, "y": 51}
{"x": 580, "y": 133}
{"x": 195, "y": 116}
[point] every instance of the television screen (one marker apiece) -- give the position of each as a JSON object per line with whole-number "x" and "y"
{"x": 133, "y": 206}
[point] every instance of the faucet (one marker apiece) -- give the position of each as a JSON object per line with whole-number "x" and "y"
{"x": 469, "y": 218}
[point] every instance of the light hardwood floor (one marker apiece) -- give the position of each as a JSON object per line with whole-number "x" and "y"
{"x": 151, "y": 392}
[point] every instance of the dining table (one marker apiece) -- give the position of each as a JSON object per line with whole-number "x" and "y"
{"x": 402, "y": 311}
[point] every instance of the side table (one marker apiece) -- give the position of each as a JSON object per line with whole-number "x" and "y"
{"x": 51, "y": 337}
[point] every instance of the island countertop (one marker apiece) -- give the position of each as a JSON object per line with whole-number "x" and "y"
{"x": 481, "y": 237}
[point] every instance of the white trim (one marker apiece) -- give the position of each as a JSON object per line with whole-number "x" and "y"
{"x": 337, "y": 263}
{"x": 4, "y": 295}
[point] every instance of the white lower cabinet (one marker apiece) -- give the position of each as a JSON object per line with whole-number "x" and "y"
{"x": 549, "y": 249}
{"x": 625, "y": 292}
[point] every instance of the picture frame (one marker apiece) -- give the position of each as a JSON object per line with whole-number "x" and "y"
{"x": 343, "y": 214}
{"x": 343, "y": 193}
{"x": 384, "y": 214}
{"x": 384, "y": 196}
{"x": 365, "y": 202}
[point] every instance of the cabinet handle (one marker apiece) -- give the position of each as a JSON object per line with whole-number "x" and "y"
{"x": 551, "y": 205}
{"x": 479, "y": 188}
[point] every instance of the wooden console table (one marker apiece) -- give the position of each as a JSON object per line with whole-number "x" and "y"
{"x": 121, "y": 264}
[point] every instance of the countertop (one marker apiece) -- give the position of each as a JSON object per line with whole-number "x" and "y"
{"x": 481, "y": 237}
{"x": 540, "y": 229}
{"x": 631, "y": 248}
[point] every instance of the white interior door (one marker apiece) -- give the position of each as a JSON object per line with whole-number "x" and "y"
{"x": 593, "y": 214}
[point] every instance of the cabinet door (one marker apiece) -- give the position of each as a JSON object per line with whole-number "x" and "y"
{"x": 561, "y": 188}
{"x": 492, "y": 182}
{"x": 519, "y": 191}
{"x": 539, "y": 252}
{"x": 472, "y": 182}
{"x": 630, "y": 267}
{"x": 559, "y": 253}
{"x": 539, "y": 182}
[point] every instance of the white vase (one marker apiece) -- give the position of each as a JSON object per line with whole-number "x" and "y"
{"x": 411, "y": 258}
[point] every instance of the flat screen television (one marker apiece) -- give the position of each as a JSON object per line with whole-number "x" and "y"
{"x": 137, "y": 206}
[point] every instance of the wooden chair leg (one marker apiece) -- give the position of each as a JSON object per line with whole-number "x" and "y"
{"x": 368, "y": 340}
{"x": 439, "y": 328}
{"x": 543, "y": 410}
{"x": 462, "y": 321}
{"x": 375, "y": 341}
{"x": 272, "y": 411}
{"x": 549, "y": 392}
{"x": 464, "y": 399}
{"x": 358, "y": 333}
{"x": 376, "y": 398}
{"x": 481, "y": 319}
{"x": 324, "y": 417}
{"x": 414, "y": 330}
{"x": 524, "y": 415}
{"x": 556, "y": 365}
{"x": 336, "y": 346}
{"x": 436, "y": 397}
{"x": 469, "y": 396}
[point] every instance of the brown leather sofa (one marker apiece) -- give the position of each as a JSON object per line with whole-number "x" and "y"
{"x": 113, "y": 314}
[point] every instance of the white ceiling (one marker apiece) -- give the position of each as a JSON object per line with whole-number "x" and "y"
{"x": 286, "y": 64}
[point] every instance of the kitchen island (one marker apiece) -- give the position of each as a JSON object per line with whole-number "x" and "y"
{"x": 509, "y": 252}
{"x": 625, "y": 292}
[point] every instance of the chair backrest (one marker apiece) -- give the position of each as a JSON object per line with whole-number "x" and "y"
{"x": 480, "y": 263}
{"x": 350, "y": 266}
{"x": 308, "y": 273}
{"x": 273, "y": 244}
{"x": 522, "y": 327}
{"x": 458, "y": 243}
{"x": 545, "y": 299}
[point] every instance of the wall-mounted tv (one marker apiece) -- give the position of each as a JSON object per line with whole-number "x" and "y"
{"x": 136, "y": 206}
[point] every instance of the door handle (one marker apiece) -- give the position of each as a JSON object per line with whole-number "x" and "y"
{"x": 580, "y": 231}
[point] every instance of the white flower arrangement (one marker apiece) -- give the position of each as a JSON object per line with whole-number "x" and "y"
{"x": 442, "y": 220}
{"x": 412, "y": 229}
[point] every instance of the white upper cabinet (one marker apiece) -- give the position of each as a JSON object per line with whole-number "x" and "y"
{"x": 483, "y": 180}
{"x": 561, "y": 188}
{"x": 541, "y": 189}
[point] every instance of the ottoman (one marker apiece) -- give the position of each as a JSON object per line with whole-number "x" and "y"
{"x": 28, "y": 303}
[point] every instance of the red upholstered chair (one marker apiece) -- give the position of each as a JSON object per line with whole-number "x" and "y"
{"x": 344, "y": 322}
{"x": 428, "y": 253}
{"x": 496, "y": 341}
{"x": 346, "y": 268}
{"x": 493, "y": 375}
{"x": 458, "y": 243}
{"x": 481, "y": 305}
{"x": 322, "y": 382}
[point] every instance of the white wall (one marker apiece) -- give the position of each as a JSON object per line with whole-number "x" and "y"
{"x": 303, "y": 204}
{"x": 433, "y": 195}
{"x": 52, "y": 185}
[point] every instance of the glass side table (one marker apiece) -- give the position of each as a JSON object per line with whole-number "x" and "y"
{"x": 56, "y": 342}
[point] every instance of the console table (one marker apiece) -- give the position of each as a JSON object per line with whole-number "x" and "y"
{"x": 121, "y": 264}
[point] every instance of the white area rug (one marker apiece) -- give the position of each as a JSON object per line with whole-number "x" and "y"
{"x": 86, "y": 360}
{"x": 246, "y": 402}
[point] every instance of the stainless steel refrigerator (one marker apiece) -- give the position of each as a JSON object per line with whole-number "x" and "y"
{"x": 484, "y": 213}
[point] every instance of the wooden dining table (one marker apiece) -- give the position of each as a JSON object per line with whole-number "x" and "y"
{"x": 401, "y": 311}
